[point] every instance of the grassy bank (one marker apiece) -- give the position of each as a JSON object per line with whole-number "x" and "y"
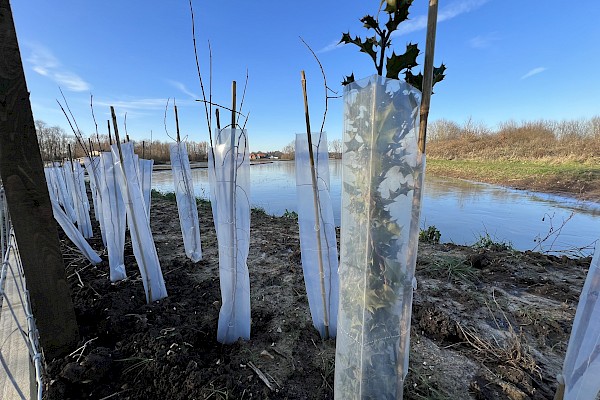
{"x": 553, "y": 157}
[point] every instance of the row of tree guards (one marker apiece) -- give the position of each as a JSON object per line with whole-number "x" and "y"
{"x": 371, "y": 288}
{"x": 365, "y": 300}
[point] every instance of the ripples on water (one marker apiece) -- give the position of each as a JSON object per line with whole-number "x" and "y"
{"x": 461, "y": 210}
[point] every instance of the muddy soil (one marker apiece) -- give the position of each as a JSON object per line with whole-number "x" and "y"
{"x": 488, "y": 323}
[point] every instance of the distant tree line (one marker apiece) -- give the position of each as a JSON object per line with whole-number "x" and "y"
{"x": 54, "y": 144}
{"x": 334, "y": 148}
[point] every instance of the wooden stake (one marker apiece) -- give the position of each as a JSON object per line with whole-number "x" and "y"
{"x": 315, "y": 187}
{"x": 28, "y": 201}
{"x": 176, "y": 122}
{"x": 233, "y": 101}
{"x": 218, "y": 120}
{"x": 428, "y": 72}
{"x": 109, "y": 134}
{"x": 143, "y": 149}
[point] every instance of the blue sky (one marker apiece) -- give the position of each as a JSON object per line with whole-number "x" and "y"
{"x": 520, "y": 60}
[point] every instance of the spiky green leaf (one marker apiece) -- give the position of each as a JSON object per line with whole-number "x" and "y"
{"x": 348, "y": 79}
{"x": 369, "y": 22}
{"x": 397, "y": 63}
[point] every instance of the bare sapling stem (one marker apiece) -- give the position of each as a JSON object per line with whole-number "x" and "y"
{"x": 315, "y": 188}
{"x": 428, "y": 72}
{"x": 132, "y": 219}
{"x": 176, "y": 122}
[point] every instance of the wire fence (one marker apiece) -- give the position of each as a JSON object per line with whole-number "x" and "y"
{"x": 20, "y": 355}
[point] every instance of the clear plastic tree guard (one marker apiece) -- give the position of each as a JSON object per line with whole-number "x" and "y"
{"x": 145, "y": 173}
{"x": 92, "y": 166}
{"x": 229, "y": 176}
{"x": 186, "y": 201}
{"x": 381, "y": 196}
{"x": 582, "y": 362}
{"x": 74, "y": 176}
{"x": 113, "y": 213}
{"x": 317, "y": 233}
{"x": 64, "y": 198}
{"x": 142, "y": 243}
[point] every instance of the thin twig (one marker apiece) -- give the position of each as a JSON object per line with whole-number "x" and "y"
{"x": 261, "y": 375}
{"x": 327, "y": 88}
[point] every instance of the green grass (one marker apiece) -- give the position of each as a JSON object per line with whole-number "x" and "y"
{"x": 485, "y": 241}
{"x": 454, "y": 269}
{"x": 502, "y": 170}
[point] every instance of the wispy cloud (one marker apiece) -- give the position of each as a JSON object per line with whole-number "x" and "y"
{"x": 483, "y": 41}
{"x": 331, "y": 46}
{"x": 134, "y": 104}
{"x": 46, "y": 64}
{"x": 450, "y": 11}
{"x": 181, "y": 87}
{"x": 420, "y": 22}
{"x": 533, "y": 72}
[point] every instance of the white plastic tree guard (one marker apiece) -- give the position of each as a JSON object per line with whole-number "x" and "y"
{"x": 93, "y": 166}
{"x": 186, "y": 201}
{"x": 581, "y": 368}
{"x": 229, "y": 163}
{"x": 64, "y": 197}
{"x": 75, "y": 184}
{"x": 113, "y": 215}
{"x": 381, "y": 194}
{"x": 318, "y": 242}
{"x": 145, "y": 172}
{"x": 144, "y": 249}
{"x": 74, "y": 235}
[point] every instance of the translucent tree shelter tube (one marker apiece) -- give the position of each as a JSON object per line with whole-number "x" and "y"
{"x": 186, "y": 201}
{"x": 74, "y": 235}
{"x": 317, "y": 232}
{"x": 382, "y": 176}
{"x": 184, "y": 194}
{"x": 145, "y": 170}
{"x": 144, "y": 249}
{"x": 113, "y": 214}
{"x": 581, "y": 369}
{"x": 93, "y": 167}
{"x": 64, "y": 196}
{"x": 229, "y": 166}
{"x": 74, "y": 176}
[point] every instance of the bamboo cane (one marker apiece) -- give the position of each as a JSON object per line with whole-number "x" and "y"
{"x": 315, "y": 188}
{"x": 133, "y": 231}
{"x": 232, "y": 193}
{"x": 424, "y": 113}
{"x": 428, "y": 72}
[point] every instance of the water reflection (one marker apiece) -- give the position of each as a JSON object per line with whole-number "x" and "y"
{"x": 461, "y": 210}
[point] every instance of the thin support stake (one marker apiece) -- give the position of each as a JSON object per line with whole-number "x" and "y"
{"x": 315, "y": 188}
{"x": 428, "y": 72}
{"x": 176, "y": 121}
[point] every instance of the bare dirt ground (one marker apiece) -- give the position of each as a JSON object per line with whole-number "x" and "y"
{"x": 488, "y": 323}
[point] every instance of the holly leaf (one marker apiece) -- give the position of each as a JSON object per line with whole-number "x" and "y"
{"x": 398, "y": 15}
{"x": 348, "y": 79}
{"x": 415, "y": 80}
{"x": 365, "y": 46}
{"x": 397, "y": 63}
{"x": 438, "y": 74}
{"x": 369, "y": 22}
